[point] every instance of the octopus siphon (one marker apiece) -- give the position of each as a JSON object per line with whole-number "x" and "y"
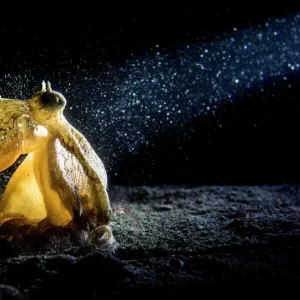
{"x": 61, "y": 182}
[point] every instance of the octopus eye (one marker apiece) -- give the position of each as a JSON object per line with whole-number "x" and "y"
{"x": 49, "y": 99}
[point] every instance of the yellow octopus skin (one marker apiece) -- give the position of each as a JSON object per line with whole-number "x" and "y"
{"x": 62, "y": 180}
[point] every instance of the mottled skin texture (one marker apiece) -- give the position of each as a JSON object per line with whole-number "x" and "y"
{"x": 62, "y": 180}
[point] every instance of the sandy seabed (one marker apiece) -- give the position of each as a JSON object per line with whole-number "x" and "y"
{"x": 171, "y": 240}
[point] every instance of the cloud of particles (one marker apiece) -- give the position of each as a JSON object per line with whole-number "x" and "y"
{"x": 121, "y": 107}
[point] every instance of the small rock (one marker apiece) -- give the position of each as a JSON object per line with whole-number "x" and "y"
{"x": 176, "y": 263}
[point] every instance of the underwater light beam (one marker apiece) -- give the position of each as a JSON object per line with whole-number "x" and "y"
{"x": 160, "y": 92}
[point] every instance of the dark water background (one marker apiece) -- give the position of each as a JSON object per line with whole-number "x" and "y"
{"x": 168, "y": 93}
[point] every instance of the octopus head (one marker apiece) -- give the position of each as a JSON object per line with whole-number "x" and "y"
{"x": 47, "y": 105}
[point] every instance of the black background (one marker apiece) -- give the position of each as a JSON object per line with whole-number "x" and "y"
{"x": 51, "y": 40}
{"x": 50, "y": 36}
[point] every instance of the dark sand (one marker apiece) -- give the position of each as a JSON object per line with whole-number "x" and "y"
{"x": 171, "y": 240}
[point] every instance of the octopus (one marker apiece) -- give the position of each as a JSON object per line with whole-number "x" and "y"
{"x": 62, "y": 182}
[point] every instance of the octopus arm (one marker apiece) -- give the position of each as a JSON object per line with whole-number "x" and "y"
{"x": 75, "y": 178}
{"x": 90, "y": 155}
{"x": 22, "y": 199}
{"x": 18, "y": 134}
{"x": 11, "y": 140}
{"x": 10, "y": 150}
{"x": 29, "y": 196}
